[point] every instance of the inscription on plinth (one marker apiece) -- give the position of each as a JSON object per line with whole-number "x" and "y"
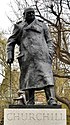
{"x": 34, "y": 116}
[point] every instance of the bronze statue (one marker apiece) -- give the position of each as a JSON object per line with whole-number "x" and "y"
{"x": 35, "y": 58}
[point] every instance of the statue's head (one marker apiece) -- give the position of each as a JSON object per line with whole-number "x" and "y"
{"x": 29, "y": 14}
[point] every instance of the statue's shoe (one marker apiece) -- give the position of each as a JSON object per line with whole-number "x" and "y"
{"x": 52, "y": 102}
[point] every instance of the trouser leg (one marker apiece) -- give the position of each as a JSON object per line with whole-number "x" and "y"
{"x": 30, "y": 97}
{"x": 27, "y": 95}
{"x": 50, "y": 95}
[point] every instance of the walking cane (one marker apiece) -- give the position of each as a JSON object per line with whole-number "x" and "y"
{"x": 10, "y": 86}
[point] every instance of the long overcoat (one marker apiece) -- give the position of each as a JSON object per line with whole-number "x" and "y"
{"x": 36, "y": 52}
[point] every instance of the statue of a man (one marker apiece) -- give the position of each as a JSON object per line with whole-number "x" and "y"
{"x": 35, "y": 57}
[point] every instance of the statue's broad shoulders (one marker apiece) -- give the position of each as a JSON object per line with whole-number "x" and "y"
{"x": 22, "y": 23}
{"x": 19, "y": 24}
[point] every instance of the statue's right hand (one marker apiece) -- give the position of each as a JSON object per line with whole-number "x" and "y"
{"x": 9, "y": 61}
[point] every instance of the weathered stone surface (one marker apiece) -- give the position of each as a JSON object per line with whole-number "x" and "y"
{"x": 34, "y": 116}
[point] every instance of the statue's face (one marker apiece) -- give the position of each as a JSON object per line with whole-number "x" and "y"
{"x": 30, "y": 16}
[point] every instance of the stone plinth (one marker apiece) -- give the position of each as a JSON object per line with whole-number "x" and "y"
{"x": 35, "y": 106}
{"x": 34, "y": 116}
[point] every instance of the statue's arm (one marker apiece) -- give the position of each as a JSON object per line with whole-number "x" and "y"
{"x": 49, "y": 41}
{"x": 12, "y": 40}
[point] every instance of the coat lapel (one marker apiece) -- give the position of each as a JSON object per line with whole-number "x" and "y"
{"x": 34, "y": 26}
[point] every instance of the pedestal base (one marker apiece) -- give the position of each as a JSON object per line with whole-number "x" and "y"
{"x": 34, "y": 106}
{"x": 34, "y": 115}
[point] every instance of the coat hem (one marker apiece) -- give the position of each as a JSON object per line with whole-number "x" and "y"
{"x": 36, "y": 88}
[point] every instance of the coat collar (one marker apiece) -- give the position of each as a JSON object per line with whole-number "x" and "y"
{"x": 35, "y": 25}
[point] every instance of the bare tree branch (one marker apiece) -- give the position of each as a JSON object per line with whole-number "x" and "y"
{"x": 61, "y": 76}
{"x": 63, "y": 100}
{"x": 43, "y": 17}
{"x": 68, "y": 4}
